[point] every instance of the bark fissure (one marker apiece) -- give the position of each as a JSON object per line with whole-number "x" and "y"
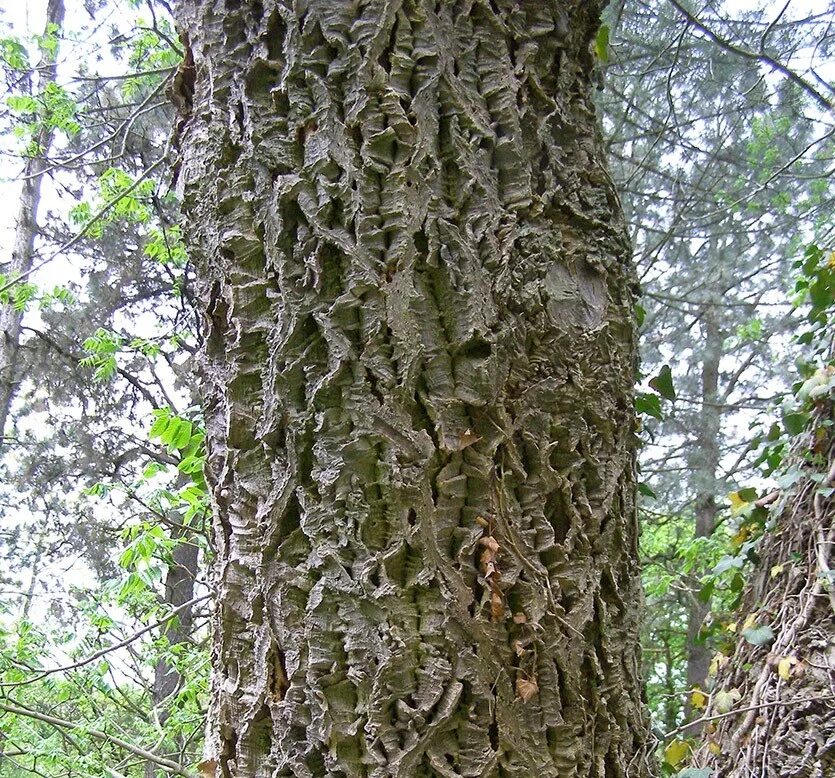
{"x": 418, "y": 372}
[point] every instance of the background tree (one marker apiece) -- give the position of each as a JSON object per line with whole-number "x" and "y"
{"x": 95, "y": 358}
{"x": 721, "y": 193}
{"x": 44, "y": 105}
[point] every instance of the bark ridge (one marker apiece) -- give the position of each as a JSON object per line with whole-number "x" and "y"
{"x": 418, "y": 366}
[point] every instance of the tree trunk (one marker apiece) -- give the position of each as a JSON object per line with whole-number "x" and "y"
{"x": 783, "y": 686}
{"x": 26, "y": 230}
{"x": 179, "y": 590}
{"x": 418, "y": 373}
{"x": 705, "y": 470}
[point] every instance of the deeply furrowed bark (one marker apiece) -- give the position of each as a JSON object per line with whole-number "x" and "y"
{"x": 418, "y": 366}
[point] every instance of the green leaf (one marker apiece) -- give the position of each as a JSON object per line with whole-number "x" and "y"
{"x": 172, "y": 431}
{"x": 22, "y": 104}
{"x": 758, "y": 636}
{"x": 727, "y": 563}
{"x": 192, "y": 464}
{"x": 648, "y": 404}
{"x": 152, "y": 468}
{"x": 601, "y": 43}
{"x": 160, "y": 423}
{"x": 789, "y": 478}
{"x": 13, "y": 53}
{"x": 749, "y": 494}
{"x": 183, "y": 435}
{"x": 646, "y": 491}
{"x": 663, "y": 383}
{"x": 795, "y": 423}
{"x": 706, "y": 592}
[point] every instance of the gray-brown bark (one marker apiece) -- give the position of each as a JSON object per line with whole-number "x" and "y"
{"x": 26, "y": 230}
{"x": 785, "y": 724}
{"x": 419, "y": 361}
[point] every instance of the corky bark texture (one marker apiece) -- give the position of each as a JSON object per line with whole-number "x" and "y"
{"x": 418, "y": 368}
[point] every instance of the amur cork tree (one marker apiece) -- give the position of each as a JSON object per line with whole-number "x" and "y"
{"x": 417, "y": 375}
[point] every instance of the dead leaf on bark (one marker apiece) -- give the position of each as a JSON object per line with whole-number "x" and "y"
{"x": 496, "y": 606}
{"x": 526, "y": 690}
{"x": 491, "y": 545}
{"x": 467, "y": 438}
{"x": 208, "y": 768}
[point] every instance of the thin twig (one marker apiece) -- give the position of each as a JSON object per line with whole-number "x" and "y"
{"x": 109, "y": 649}
{"x": 172, "y": 767}
{"x": 703, "y": 719}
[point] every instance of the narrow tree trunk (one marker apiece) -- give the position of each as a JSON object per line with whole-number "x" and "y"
{"x": 783, "y": 687}
{"x": 705, "y": 468}
{"x": 418, "y": 374}
{"x": 26, "y": 230}
{"x": 179, "y": 590}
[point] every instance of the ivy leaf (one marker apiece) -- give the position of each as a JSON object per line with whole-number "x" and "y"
{"x": 717, "y": 663}
{"x": 737, "y": 501}
{"x": 795, "y": 423}
{"x": 648, "y": 404}
{"x": 663, "y": 383}
{"x": 784, "y": 667}
{"x": 676, "y": 752}
{"x": 723, "y": 701}
{"x": 758, "y": 636}
{"x": 727, "y": 563}
{"x": 601, "y": 43}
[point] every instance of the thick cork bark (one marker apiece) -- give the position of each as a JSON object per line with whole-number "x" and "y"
{"x": 417, "y": 371}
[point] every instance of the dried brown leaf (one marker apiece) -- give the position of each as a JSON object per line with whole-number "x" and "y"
{"x": 496, "y": 606}
{"x": 526, "y": 690}
{"x": 207, "y": 768}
